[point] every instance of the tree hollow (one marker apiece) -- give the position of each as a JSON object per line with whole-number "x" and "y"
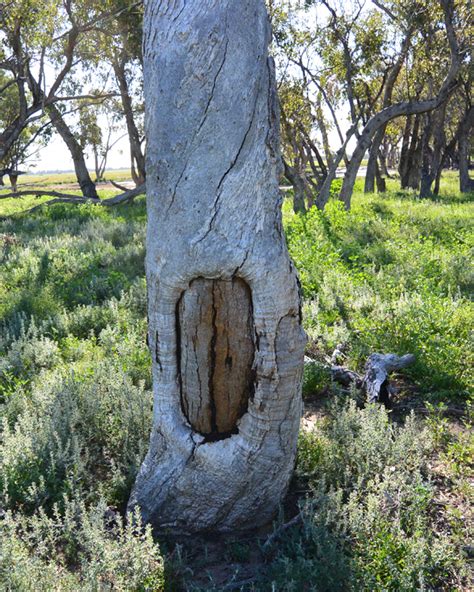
{"x": 215, "y": 354}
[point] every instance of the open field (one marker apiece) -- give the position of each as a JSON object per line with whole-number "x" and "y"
{"x": 53, "y": 179}
{"x": 385, "y": 497}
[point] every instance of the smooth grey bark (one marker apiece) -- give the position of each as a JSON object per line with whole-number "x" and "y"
{"x": 214, "y": 221}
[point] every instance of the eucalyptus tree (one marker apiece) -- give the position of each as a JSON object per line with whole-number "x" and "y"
{"x": 26, "y": 28}
{"x": 224, "y": 308}
{"x": 42, "y": 50}
{"x": 457, "y": 53}
{"x": 304, "y": 167}
{"x": 119, "y": 45}
{"x": 38, "y": 37}
{"x": 303, "y": 164}
{"x": 340, "y": 55}
{"x": 98, "y": 129}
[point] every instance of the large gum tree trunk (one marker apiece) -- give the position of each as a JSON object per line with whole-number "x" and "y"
{"x": 224, "y": 307}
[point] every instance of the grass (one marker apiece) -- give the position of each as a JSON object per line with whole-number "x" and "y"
{"x": 385, "y": 500}
{"x": 60, "y": 182}
{"x": 393, "y": 274}
{"x": 45, "y": 180}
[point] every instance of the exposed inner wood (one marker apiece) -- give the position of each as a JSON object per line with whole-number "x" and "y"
{"x": 216, "y": 352}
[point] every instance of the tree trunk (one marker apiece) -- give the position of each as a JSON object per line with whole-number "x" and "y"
{"x": 426, "y": 157}
{"x": 414, "y": 158}
{"x": 466, "y": 184}
{"x": 299, "y": 193}
{"x": 403, "y": 163}
{"x": 87, "y": 185}
{"x": 224, "y": 308}
{"x": 432, "y": 157}
{"x": 381, "y": 185}
{"x": 375, "y": 123}
{"x": 136, "y": 153}
{"x": 369, "y": 183}
{"x": 372, "y": 172}
{"x": 324, "y": 132}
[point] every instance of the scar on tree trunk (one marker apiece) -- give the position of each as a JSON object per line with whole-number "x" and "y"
{"x": 215, "y": 325}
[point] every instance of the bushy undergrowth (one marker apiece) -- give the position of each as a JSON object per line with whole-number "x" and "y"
{"x": 393, "y": 274}
{"x": 75, "y": 396}
{"x": 77, "y": 549}
{"x": 367, "y": 523}
{"x": 75, "y": 401}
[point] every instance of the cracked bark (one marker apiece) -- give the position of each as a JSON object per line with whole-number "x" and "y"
{"x": 223, "y": 294}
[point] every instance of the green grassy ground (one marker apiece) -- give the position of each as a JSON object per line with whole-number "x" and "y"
{"x": 385, "y": 499}
{"x": 393, "y": 274}
{"x": 61, "y": 182}
{"x": 48, "y": 179}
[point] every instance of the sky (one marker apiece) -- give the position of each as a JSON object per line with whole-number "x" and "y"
{"x": 56, "y": 157}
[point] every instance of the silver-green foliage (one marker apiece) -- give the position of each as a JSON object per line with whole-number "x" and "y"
{"x": 78, "y": 549}
{"x": 367, "y": 522}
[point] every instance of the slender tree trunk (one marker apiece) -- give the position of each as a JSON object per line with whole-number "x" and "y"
{"x": 96, "y": 164}
{"x": 377, "y": 121}
{"x": 136, "y": 153}
{"x": 87, "y": 185}
{"x": 432, "y": 157}
{"x": 466, "y": 184}
{"x": 298, "y": 188}
{"x": 324, "y": 132}
{"x": 414, "y": 158}
{"x": 426, "y": 158}
{"x": 384, "y": 150}
{"x": 437, "y": 181}
{"x": 403, "y": 163}
{"x": 381, "y": 185}
{"x": 372, "y": 172}
{"x": 224, "y": 309}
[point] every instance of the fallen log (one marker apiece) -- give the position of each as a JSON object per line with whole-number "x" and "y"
{"x": 377, "y": 370}
{"x": 375, "y": 381}
{"x": 45, "y": 193}
{"x": 121, "y": 187}
{"x": 59, "y": 197}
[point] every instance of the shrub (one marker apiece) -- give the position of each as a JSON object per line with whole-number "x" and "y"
{"x": 76, "y": 549}
{"x": 83, "y": 433}
{"x": 367, "y": 523}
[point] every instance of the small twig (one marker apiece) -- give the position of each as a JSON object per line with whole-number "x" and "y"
{"x": 239, "y": 584}
{"x": 279, "y": 531}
